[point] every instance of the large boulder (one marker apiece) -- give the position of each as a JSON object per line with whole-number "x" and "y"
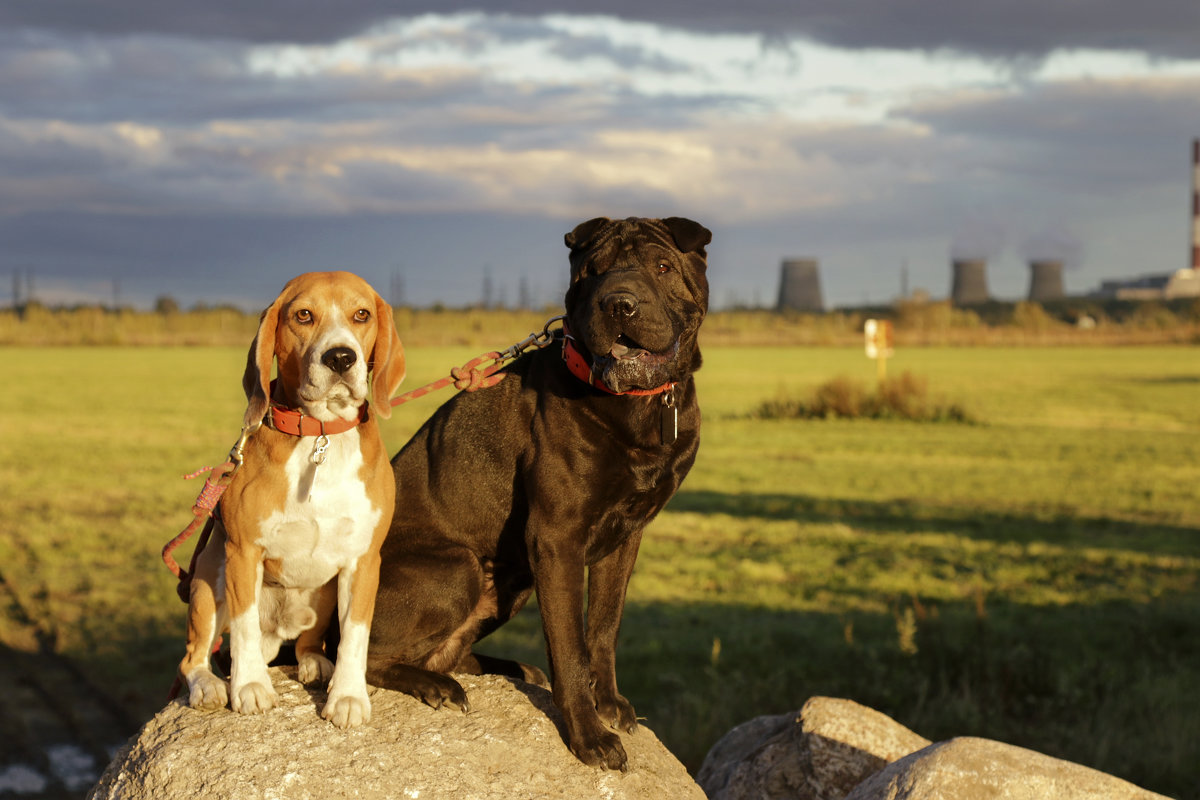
{"x": 510, "y": 745}
{"x": 967, "y": 768}
{"x": 819, "y": 753}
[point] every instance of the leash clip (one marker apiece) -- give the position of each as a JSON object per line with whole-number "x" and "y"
{"x": 237, "y": 453}
{"x": 318, "y": 453}
{"x": 538, "y": 340}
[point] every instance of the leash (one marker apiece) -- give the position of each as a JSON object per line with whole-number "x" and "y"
{"x": 475, "y": 375}
{"x": 202, "y": 512}
{"x": 478, "y": 373}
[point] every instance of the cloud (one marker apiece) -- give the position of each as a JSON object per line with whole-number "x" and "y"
{"x": 1014, "y": 30}
{"x": 1076, "y": 136}
{"x": 459, "y": 112}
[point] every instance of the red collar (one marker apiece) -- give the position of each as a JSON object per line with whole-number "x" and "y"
{"x": 580, "y": 368}
{"x": 286, "y": 420}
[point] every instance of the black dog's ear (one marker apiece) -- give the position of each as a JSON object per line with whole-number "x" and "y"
{"x": 584, "y": 232}
{"x": 689, "y": 236}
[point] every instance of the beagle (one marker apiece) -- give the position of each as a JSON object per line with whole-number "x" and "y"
{"x": 300, "y": 525}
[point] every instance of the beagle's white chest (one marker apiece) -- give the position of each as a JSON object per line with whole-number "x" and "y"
{"x": 327, "y": 519}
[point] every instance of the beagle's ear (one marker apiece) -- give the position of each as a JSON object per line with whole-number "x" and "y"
{"x": 256, "y": 381}
{"x": 387, "y": 359}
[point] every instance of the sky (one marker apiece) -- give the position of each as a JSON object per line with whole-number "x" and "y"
{"x": 208, "y": 152}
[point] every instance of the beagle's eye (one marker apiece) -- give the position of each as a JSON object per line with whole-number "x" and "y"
{"x": 663, "y": 268}
{"x": 362, "y": 315}
{"x": 304, "y": 316}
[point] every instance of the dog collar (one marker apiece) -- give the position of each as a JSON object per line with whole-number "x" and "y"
{"x": 581, "y": 369}
{"x": 285, "y": 420}
{"x": 297, "y": 423}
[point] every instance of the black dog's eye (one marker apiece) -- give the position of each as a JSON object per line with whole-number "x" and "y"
{"x": 663, "y": 268}
{"x": 362, "y": 315}
{"x": 304, "y": 316}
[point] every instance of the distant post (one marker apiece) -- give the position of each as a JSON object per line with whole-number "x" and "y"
{"x": 878, "y": 336}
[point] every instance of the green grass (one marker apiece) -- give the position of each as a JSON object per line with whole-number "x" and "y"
{"x": 1031, "y": 578}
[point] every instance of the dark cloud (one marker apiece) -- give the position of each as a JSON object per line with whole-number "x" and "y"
{"x": 1013, "y": 29}
{"x": 157, "y": 80}
{"x": 1010, "y": 29}
{"x": 1073, "y": 136}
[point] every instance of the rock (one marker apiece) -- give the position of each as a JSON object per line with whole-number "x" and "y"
{"x": 967, "y": 768}
{"x": 739, "y": 744}
{"x": 819, "y": 753}
{"x": 510, "y": 745}
{"x": 847, "y": 742}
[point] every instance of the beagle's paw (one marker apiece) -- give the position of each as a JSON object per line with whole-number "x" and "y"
{"x": 347, "y": 711}
{"x": 254, "y": 698}
{"x": 314, "y": 668}
{"x": 207, "y": 692}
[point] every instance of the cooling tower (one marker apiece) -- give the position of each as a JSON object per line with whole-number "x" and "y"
{"x": 800, "y": 286}
{"x": 1045, "y": 280}
{"x": 969, "y": 284}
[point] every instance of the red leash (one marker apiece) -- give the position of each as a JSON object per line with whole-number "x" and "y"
{"x": 474, "y": 375}
{"x": 206, "y": 503}
{"x": 202, "y": 509}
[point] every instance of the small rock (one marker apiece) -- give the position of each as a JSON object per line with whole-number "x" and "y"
{"x": 967, "y": 768}
{"x": 818, "y": 753}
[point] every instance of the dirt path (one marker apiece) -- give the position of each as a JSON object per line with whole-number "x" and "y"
{"x": 57, "y": 730}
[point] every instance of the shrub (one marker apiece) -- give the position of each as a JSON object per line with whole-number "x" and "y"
{"x": 903, "y": 397}
{"x": 840, "y": 397}
{"x": 1032, "y": 318}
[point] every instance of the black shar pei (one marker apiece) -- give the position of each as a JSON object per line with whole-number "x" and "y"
{"x": 548, "y": 476}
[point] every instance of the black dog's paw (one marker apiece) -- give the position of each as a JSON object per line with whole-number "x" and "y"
{"x": 597, "y": 747}
{"x": 432, "y": 688}
{"x": 617, "y": 712}
{"x": 437, "y": 690}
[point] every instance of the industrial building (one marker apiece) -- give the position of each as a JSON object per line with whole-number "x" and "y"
{"x": 1045, "y": 280}
{"x": 1181, "y": 283}
{"x": 800, "y": 286}
{"x": 968, "y": 285}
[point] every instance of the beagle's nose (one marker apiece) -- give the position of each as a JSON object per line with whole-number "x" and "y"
{"x": 339, "y": 359}
{"x": 620, "y": 304}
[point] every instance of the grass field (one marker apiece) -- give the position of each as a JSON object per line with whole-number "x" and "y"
{"x": 1032, "y": 577}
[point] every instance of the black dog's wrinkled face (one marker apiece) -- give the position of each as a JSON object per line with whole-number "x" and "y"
{"x": 638, "y": 295}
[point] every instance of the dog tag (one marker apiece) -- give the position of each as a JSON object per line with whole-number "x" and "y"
{"x": 669, "y": 418}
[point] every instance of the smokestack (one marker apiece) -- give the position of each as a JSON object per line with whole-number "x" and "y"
{"x": 969, "y": 284}
{"x": 800, "y": 286}
{"x": 1045, "y": 280}
{"x": 1196, "y": 204}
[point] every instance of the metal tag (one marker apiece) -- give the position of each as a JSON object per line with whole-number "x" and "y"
{"x": 669, "y": 418}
